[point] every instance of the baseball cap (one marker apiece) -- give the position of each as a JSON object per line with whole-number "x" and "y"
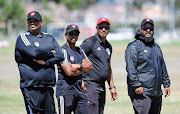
{"x": 34, "y": 15}
{"x": 71, "y": 28}
{"x": 147, "y": 20}
{"x": 100, "y": 20}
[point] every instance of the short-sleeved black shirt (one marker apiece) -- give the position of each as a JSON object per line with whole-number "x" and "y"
{"x": 99, "y": 54}
{"x": 70, "y": 85}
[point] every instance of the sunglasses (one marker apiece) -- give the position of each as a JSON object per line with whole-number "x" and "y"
{"x": 146, "y": 28}
{"x": 73, "y": 34}
{"x": 101, "y": 27}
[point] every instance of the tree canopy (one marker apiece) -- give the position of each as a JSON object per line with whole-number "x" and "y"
{"x": 12, "y": 10}
{"x": 73, "y": 4}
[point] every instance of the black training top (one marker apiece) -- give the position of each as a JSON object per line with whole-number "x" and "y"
{"x": 29, "y": 47}
{"x": 99, "y": 54}
{"x": 70, "y": 85}
{"x": 145, "y": 67}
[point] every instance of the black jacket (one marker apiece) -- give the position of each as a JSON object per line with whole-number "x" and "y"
{"x": 145, "y": 67}
{"x": 29, "y": 47}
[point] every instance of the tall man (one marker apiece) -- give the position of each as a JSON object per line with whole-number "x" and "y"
{"x": 146, "y": 71}
{"x": 36, "y": 53}
{"x": 99, "y": 51}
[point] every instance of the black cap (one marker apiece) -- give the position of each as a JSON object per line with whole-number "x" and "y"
{"x": 71, "y": 28}
{"x": 147, "y": 20}
{"x": 34, "y": 15}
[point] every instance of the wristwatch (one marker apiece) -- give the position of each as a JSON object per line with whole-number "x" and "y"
{"x": 81, "y": 67}
{"x": 112, "y": 87}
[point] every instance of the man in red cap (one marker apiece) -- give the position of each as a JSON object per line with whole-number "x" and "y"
{"x": 99, "y": 52}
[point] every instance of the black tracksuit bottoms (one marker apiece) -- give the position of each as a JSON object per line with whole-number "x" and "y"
{"x": 143, "y": 104}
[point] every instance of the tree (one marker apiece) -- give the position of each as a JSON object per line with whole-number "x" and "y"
{"x": 76, "y": 4}
{"x": 12, "y": 10}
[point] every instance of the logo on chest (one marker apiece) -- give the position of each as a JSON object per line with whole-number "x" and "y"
{"x": 108, "y": 51}
{"x": 99, "y": 48}
{"x": 145, "y": 51}
{"x": 36, "y": 44}
{"x": 72, "y": 58}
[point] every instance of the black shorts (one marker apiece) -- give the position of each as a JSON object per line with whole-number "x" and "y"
{"x": 39, "y": 99}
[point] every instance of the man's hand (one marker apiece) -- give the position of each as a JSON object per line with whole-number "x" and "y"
{"x": 139, "y": 90}
{"x": 83, "y": 86}
{"x": 39, "y": 61}
{"x": 114, "y": 94}
{"x": 84, "y": 62}
{"x": 87, "y": 65}
{"x": 167, "y": 91}
{"x": 53, "y": 51}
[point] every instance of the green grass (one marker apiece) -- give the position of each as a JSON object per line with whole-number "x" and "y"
{"x": 120, "y": 43}
{"x": 10, "y": 50}
{"x": 11, "y": 97}
{"x": 11, "y": 100}
{"x": 126, "y": 42}
{"x": 170, "y": 105}
{"x": 170, "y": 44}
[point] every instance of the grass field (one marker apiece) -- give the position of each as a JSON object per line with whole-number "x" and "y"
{"x": 11, "y": 100}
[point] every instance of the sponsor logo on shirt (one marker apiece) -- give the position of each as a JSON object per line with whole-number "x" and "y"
{"x": 36, "y": 44}
{"x": 108, "y": 51}
{"x": 72, "y": 58}
{"x": 145, "y": 51}
{"x": 99, "y": 48}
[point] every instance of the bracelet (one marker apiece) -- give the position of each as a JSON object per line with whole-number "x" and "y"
{"x": 112, "y": 87}
{"x": 81, "y": 67}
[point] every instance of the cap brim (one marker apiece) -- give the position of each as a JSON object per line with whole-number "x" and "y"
{"x": 147, "y": 22}
{"x": 104, "y": 22}
{"x": 72, "y": 30}
{"x": 35, "y": 18}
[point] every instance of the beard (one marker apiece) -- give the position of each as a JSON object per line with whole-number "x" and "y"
{"x": 148, "y": 39}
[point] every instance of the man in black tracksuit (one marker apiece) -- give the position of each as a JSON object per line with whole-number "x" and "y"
{"x": 146, "y": 71}
{"x": 36, "y": 53}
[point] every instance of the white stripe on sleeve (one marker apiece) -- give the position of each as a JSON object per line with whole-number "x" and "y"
{"x": 65, "y": 56}
{"x": 84, "y": 53}
{"x": 25, "y": 40}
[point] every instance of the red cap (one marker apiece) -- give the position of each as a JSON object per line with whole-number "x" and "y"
{"x": 100, "y": 20}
